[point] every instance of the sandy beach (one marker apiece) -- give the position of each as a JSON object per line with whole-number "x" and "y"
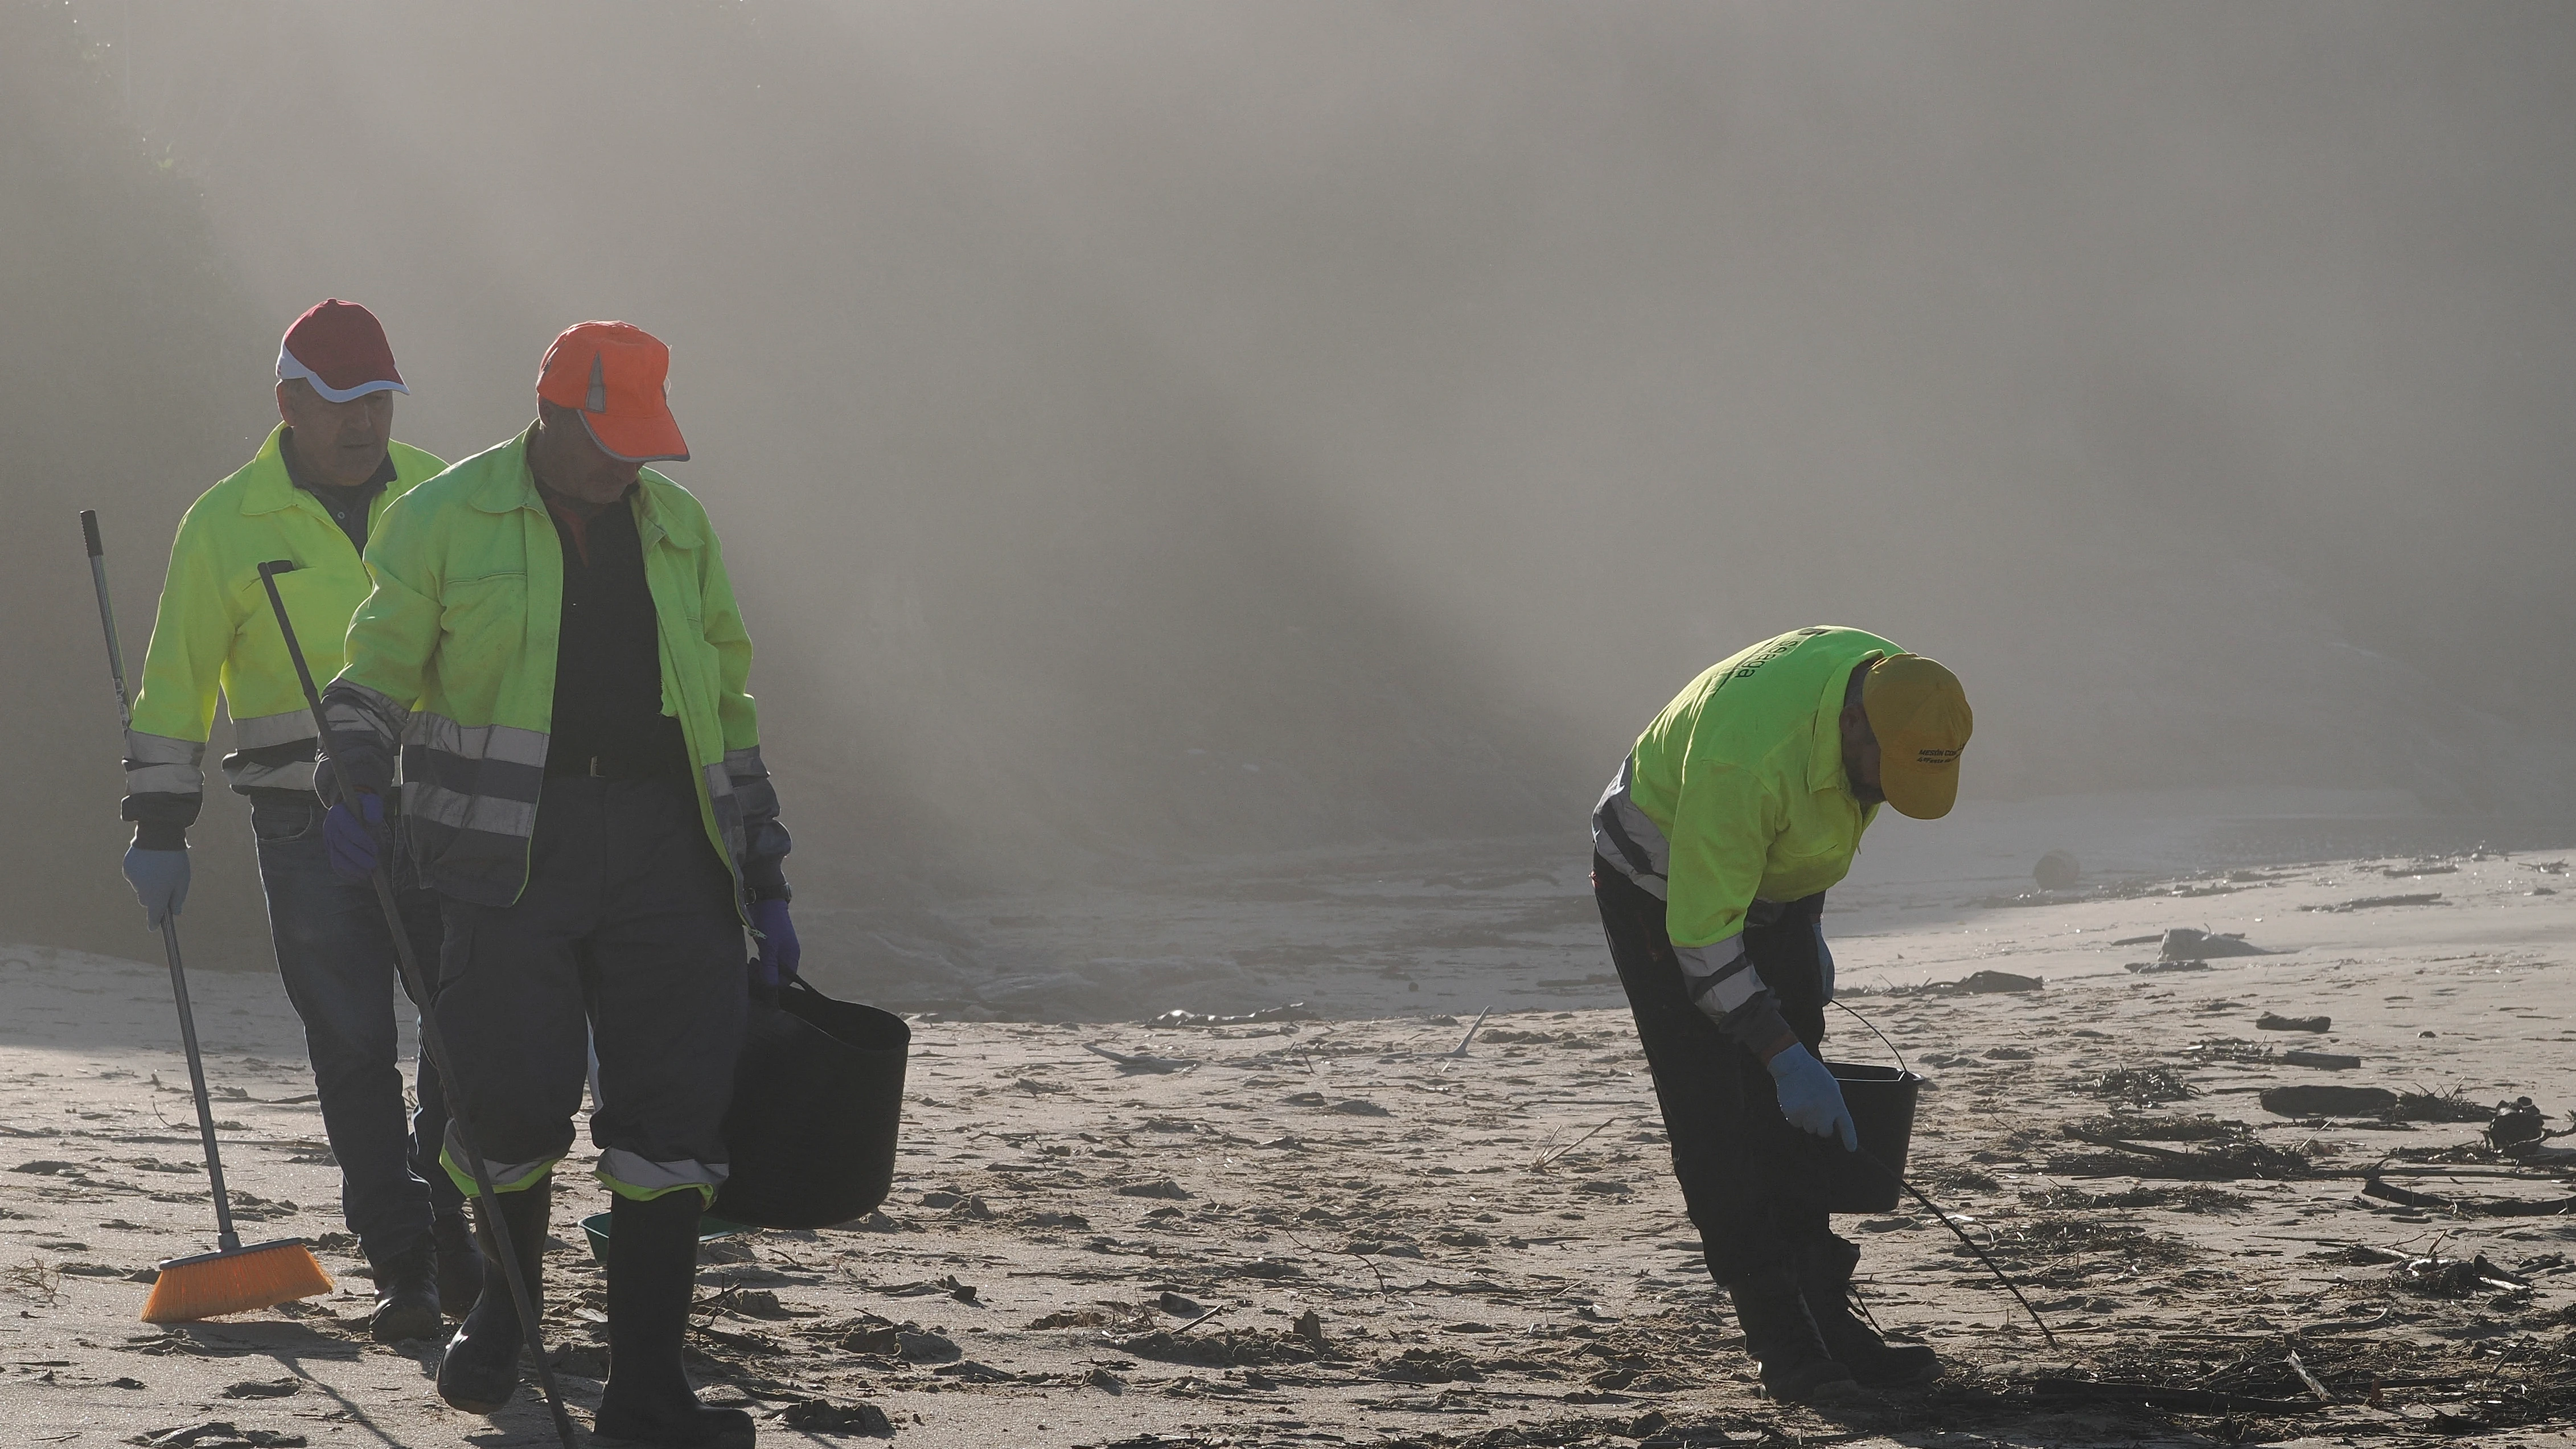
{"x": 1336, "y": 1226}
{"x": 1184, "y": 511}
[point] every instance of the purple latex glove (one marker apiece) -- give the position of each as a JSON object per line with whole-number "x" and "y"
{"x": 779, "y": 952}
{"x": 356, "y": 844}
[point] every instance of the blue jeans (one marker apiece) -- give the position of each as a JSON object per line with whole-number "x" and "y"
{"x": 337, "y": 960}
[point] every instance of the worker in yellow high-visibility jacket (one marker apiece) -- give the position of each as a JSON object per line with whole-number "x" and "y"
{"x": 309, "y": 497}
{"x": 1713, "y": 848}
{"x": 554, "y": 650}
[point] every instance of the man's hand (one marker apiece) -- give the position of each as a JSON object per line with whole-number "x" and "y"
{"x": 355, "y": 838}
{"x": 779, "y": 953}
{"x": 352, "y": 766}
{"x": 160, "y": 881}
{"x": 1810, "y": 1097}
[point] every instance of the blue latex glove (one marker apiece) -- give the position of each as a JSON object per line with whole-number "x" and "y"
{"x": 355, "y": 838}
{"x": 1810, "y": 1097}
{"x": 779, "y": 953}
{"x": 160, "y": 881}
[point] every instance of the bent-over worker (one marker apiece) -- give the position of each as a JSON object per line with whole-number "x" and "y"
{"x": 310, "y": 495}
{"x": 1713, "y": 849}
{"x": 583, "y": 787}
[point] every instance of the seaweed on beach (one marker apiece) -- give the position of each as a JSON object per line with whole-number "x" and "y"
{"x": 2451, "y": 1106}
{"x": 2227, "y": 1049}
{"x": 2186, "y": 1199}
{"x": 1549, "y": 1434}
{"x": 2162, "y": 1127}
{"x": 1954, "y": 1178}
{"x": 2471, "y": 1388}
{"x": 2068, "y": 1250}
{"x": 2221, "y": 1159}
{"x": 2139, "y": 1086}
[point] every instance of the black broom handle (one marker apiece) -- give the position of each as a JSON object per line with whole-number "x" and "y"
{"x": 226, "y": 1238}
{"x": 432, "y": 1039}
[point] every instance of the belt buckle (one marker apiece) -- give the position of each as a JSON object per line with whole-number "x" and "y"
{"x": 595, "y": 771}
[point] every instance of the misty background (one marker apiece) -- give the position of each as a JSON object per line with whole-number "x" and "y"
{"x": 1149, "y": 434}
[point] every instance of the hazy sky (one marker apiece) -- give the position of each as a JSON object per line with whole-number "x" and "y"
{"x": 1145, "y": 430}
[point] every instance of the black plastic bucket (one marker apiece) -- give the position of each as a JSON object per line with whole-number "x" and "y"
{"x": 1881, "y": 1100}
{"x": 817, "y": 1104}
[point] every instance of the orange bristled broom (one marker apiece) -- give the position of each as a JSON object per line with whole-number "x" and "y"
{"x": 235, "y": 1280}
{"x": 232, "y": 1279}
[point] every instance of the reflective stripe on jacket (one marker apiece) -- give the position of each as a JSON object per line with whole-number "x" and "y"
{"x": 1736, "y": 793}
{"x": 214, "y": 633}
{"x": 453, "y": 654}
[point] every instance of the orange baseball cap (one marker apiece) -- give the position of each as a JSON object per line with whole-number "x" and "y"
{"x": 618, "y": 376}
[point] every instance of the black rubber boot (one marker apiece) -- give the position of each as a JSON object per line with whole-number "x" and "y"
{"x": 460, "y": 1264}
{"x": 1782, "y": 1337}
{"x": 652, "y": 1267}
{"x": 481, "y": 1370}
{"x": 1824, "y": 1281}
{"x": 406, "y": 1295}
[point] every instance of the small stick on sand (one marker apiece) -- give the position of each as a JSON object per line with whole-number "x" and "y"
{"x": 2309, "y": 1379}
{"x": 1382, "y": 1290}
{"x": 1472, "y": 1028}
{"x": 1552, "y": 1154}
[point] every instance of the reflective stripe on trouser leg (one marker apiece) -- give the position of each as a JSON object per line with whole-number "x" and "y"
{"x": 629, "y": 1175}
{"x": 506, "y": 1176}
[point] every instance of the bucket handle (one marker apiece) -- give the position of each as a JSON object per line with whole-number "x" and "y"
{"x": 1882, "y": 1036}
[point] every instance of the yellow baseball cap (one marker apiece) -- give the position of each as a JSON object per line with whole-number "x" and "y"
{"x": 1920, "y": 714}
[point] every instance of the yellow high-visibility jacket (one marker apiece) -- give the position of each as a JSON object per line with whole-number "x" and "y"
{"x": 453, "y": 654}
{"x": 215, "y": 633}
{"x": 1736, "y": 794}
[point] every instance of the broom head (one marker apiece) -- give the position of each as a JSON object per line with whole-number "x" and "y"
{"x": 211, "y": 1285}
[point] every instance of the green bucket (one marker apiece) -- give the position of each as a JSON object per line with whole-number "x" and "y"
{"x": 595, "y": 1228}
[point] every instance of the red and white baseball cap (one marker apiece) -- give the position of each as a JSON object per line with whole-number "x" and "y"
{"x": 619, "y": 377}
{"x": 340, "y": 349}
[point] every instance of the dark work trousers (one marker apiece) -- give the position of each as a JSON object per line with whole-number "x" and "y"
{"x": 336, "y": 957}
{"x": 626, "y": 938}
{"x": 1752, "y": 1183}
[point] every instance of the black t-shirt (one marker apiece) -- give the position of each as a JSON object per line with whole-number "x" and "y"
{"x": 348, "y": 506}
{"x": 608, "y": 660}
